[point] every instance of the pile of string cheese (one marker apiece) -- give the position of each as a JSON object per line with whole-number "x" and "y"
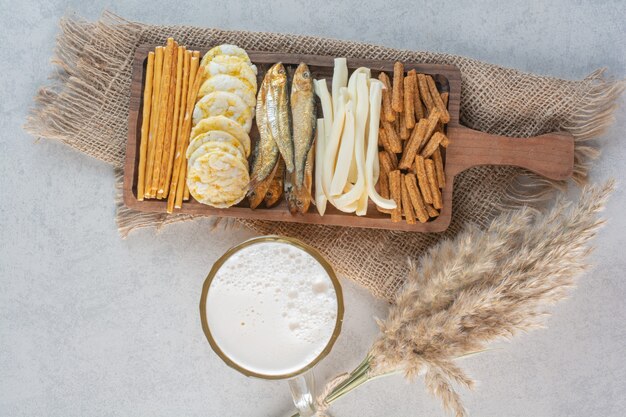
{"x": 346, "y": 153}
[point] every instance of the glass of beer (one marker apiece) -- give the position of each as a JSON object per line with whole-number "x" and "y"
{"x": 272, "y": 308}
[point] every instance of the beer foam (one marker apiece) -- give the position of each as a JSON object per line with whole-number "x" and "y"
{"x": 271, "y": 308}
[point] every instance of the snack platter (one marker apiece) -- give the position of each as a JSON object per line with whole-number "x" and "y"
{"x": 550, "y": 155}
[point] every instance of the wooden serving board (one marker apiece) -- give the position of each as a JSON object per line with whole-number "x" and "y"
{"x": 550, "y": 155}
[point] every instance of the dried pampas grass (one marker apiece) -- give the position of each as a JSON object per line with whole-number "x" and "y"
{"x": 480, "y": 286}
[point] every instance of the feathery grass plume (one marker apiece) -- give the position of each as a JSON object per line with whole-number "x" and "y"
{"x": 480, "y": 286}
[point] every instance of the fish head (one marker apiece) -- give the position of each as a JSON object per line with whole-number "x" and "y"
{"x": 255, "y": 198}
{"x": 298, "y": 199}
{"x": 277, "y": 75}
{"x": 302, "y": 78}
{"x": 271, "y": 197}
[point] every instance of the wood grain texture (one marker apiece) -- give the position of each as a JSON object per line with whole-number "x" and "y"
{"x": 550, "y": 155}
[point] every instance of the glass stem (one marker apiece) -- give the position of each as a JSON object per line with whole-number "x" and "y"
{"x": 302, "y": 389}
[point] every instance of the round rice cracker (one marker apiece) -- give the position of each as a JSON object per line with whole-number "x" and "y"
{"x": 222, "y": 103}
{"x": 211, "y": 146}
{"x": 225, "y": 49}
{"x": 229, "y": 84}
{"x": 215, "y": 136}
{"x": 225, "y": 124}
{"x": 218, "y": 179}
{"x": 231, "y": 65}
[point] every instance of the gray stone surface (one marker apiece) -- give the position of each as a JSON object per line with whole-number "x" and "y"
{"x": 92, "y": 325}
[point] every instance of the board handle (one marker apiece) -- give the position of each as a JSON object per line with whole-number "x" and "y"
{"x": 550, "y": 155}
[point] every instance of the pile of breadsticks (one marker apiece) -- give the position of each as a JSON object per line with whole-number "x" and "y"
{"x": 412, "y": 136}
{"x": 172, "y": 82}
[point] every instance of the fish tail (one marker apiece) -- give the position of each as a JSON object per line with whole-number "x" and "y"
{"x": 252, "y": 184}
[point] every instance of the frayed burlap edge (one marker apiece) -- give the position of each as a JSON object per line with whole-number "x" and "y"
{"x": 88, "y": 74}
{"x": 596, "y": 112}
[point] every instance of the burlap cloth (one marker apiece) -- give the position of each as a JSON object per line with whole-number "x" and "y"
{"x": 87, "y": 108}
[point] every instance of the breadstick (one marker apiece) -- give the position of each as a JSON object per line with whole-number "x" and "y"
{"x": 386, "y": 165}
{"x": 425, "y": 92}
{"x": 432, "y": 123}
{"x": 383, "y": 178}
{"x": 384, "y": 139}
{"x": 145, "y": 125}
{"x": 381, "y": 136}
{"x": 154, "y": 119}
{"x": 179, "y": 156}
{"x": 163, "y": 189}
{"x": 407, "y": 206}
{"x": 395, "y": 144}
{"x": 414, "y": 144}
{"x": 163, "y": 109}
{"x": 425, "y": 125}
{"x": 187, "y": 123}
{"x": 197, "y": 76}
{"x": 180, "y": 60}
{"x": 405, "y": 162}
{"x": 431, "y": 210}
{"x": 441, "y": 177}
{"x": 432, "y": 182}
{"x": 409, "y": 105}
{"x": 195, "y": 54}
{"x": 444, "y": 98}
{"x": 436, "y": 97}
{"x": 440, "y": 124}
{"x": 403, "y": 132}
{"x": 384, "y": 189}
{"x": 416, "y": 198}
{"x": 387, "y": 111}
{"x": 396, "y": 194}
{"x": 433, "y": 119}
{"x": 169, "y": 153}
{"x": 397, "y": 101}
{"x": 444, "y": 141}
{"x": 167, "y": 141}
{"x": 186, "y": 192}
{"x": 417, "y": 102}
{"x": 394, "y": 160}
{"x": 432, "y": 146}
{"x": 422, "y": 179}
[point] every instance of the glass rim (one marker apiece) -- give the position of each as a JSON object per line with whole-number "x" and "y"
{"x": 293, "y": 242}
